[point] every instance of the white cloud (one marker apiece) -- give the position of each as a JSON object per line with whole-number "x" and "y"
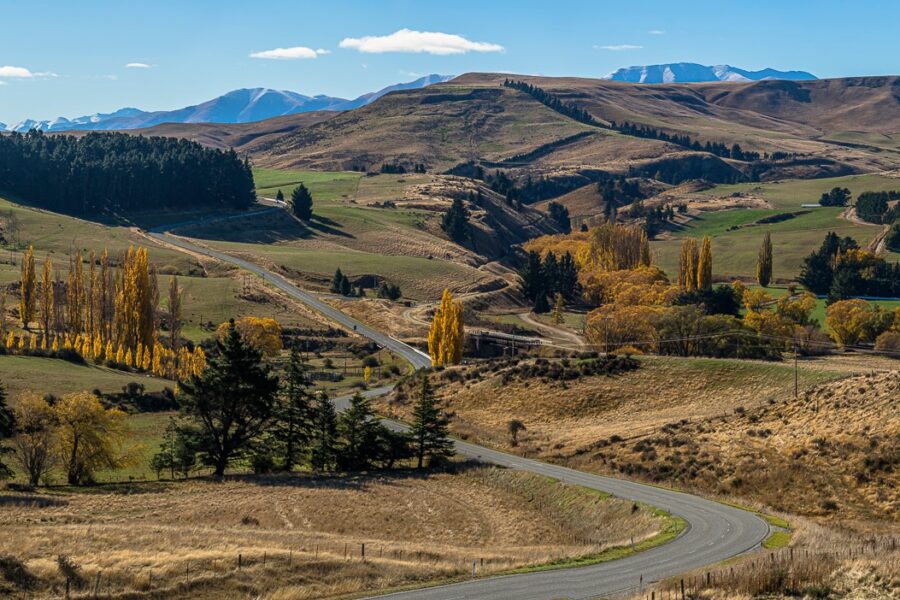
{"x": 20, "y": 72}
{"x": 656, "y": 32}
{"x": 407, "y": 40}
{"x": 293, "y": 53}
{"x": 618, "y": 47}
{"x": 2, "y": 83}
{"x": 137, "y": 65}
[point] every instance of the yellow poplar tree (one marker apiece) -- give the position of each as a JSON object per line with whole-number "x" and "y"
{"x": 55, "y": 346}
{"x": 32, "y": 342}
{"x": 75, "y": 293}
{"x": 128, "y": 360}
{"x": 27, "y": 295}
{"x": 445, "y": 339}
{"x": 11, "y": 340}
{"x": 47, "y": 293}
{"x": 704, "y": 265}
{"x": 199, "y": 362}
{"x": 120, "y": 355}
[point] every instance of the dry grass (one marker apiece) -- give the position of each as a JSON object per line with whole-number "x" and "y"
{"x": 715, "y": 426}
{"x": 821, "y": 563}
{"x": 301, "y": 537}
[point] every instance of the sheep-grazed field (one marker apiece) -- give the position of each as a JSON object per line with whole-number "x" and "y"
{"x": 286, "y": 537}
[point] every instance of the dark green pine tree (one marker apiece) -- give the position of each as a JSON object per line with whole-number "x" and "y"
{"x": 455, "y": 222}
{"x": 359, "y": 430}
{"x": 279, "y": 196}
{"x": 302, "y": 202}
{"x": 429, "y": 428}
{"x": 295, "y": 413}
{"x": 337, "y": 281}
{"x": 532, "y": 277}
{"x": 346, "y": 287}
{"x": 232, "y": 402}
{"x": 7, "y": 426}
{"x": 323, "y": 455}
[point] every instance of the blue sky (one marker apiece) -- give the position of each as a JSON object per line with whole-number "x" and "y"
{"x": 69, "y": 59}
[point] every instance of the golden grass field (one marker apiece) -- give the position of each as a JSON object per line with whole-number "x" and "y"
{"x": 716, "y": 426}
{"x": 821, "y": 562}
{"x": 301, "y": 536}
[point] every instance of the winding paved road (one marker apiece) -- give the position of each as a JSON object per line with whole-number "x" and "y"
{"x": 715, "y": 532}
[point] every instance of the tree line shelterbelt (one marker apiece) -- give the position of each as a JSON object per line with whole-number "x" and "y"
{"x": 108, "y": 173}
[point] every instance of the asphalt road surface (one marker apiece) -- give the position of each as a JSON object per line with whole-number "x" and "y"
{"x": 714, "y": 532}
{"x": 415, "y": 356}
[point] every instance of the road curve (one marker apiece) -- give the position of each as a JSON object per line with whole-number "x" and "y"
{"x": 414, "y": 356}
{"x": 715, "y": 532}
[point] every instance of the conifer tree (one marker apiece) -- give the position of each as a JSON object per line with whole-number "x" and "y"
{"x": 359, "y": 430}
{"x": 764, "y": 261}
{"x": 295, "y": 412}
{"x": 232, "y": 402}
{"x": 302, "y": 202}
{"x": 323, "y": 456}
{"x": 27, "y": 288}
{"x": 704, "y": 265}
{"x": 428, "y": 431}
{"x": 558, "y": 309}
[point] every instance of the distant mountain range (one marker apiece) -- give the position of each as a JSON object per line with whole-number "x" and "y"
{"x": 693, "y": 72}
{"x": 238, "y": 106}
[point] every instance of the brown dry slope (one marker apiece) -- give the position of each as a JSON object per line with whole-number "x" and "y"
{"x": 715, "y": 426}
{"x": 301, "y": 537}
{"x": 854, "y": 122}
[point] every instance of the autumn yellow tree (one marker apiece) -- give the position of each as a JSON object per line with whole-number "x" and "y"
{"x": 75, "y": 293}
{"x": 447, "y": 334}
{"x": 90, "y": 437}
{"x": 262, "y": 332}
{"x": 856, "y": 320}
{"x": 135, "y": 318}
{"x": 704, "y": 265}
{"x": 35, "y": 436}
{"x": 27, "y": 288}
{"x": 47, "y": 296}
{"x": 687, "y": 264}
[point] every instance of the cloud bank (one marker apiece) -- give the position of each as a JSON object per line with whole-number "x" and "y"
{"x": 429, "y": 42}
{"x": 293, "y": 53}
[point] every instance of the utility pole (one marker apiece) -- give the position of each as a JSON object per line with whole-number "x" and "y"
{"x": 796, "y": 383}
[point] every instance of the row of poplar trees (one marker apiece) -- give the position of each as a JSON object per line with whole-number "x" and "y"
{"x": 109, "y": 313}
{"x": 695, "y": 265}
{"x": 447, "y": 334}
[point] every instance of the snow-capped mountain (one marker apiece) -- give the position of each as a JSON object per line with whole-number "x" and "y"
{"x": 693, "y": 72}
{"x": 238, "y": 106}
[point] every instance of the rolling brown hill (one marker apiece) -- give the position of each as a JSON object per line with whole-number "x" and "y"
{"x": 241, "y": 136}
{"x": 832, "y": 127}
{"x": 852, "y": 124}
